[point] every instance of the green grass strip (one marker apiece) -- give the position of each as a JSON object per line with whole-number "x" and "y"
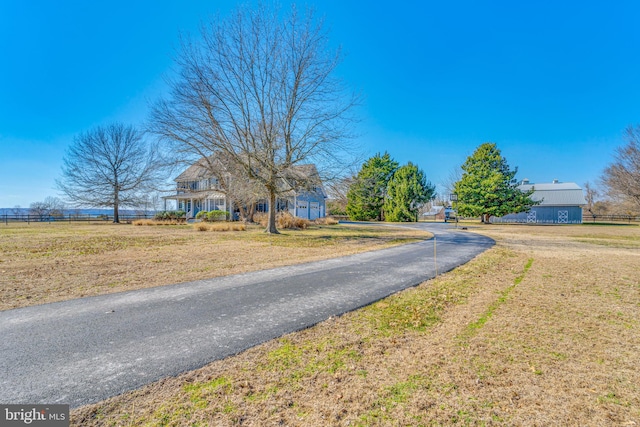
{"x": 474, "y": 327}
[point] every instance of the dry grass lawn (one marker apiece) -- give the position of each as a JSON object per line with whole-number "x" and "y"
{"x": 541, "y": 330}
{"x": 47, "y": 262}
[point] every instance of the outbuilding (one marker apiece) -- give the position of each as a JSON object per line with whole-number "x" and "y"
{"x": 560, "y": 203}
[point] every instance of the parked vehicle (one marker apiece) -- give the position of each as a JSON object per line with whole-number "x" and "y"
{"x": 450, "y": 215}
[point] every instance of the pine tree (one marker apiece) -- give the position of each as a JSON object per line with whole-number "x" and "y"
{"x": 487, "y": 186}
{"x": 407, "y": 190}
{"x": 365, "y": 198}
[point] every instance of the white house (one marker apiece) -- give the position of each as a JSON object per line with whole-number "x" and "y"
{"x": 198, "y": 189}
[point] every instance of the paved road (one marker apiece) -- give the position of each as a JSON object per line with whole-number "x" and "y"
{"x": 85, "y": 350}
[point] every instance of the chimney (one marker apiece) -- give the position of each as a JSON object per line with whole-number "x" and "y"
{"x": 525, "y": 181}
{"x": 555, "y": 181}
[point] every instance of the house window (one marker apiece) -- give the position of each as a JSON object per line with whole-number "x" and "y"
{"x": 282, "y": 205}
{"x": 184, "y": 205}
{"x": 262, "y": 207}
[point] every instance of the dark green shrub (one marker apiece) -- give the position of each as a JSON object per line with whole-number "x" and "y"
{"x": 216, "y": 215}
{"x": 169, "y": 215}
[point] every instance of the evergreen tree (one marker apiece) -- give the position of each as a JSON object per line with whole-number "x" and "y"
{"x": 487, "y": 186}
{"x": 365, "y": 198}
{"x": 407, "y": 190}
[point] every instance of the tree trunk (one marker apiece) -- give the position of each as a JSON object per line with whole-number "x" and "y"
{"x": 116, "y": 215}
{"x": 271, "y": 223}
{"x": 251, "y": 210}
{"x": 247, "y": 212}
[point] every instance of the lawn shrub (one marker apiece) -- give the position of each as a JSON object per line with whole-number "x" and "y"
{"x": 212, "y": 216}
{"x": 228, "y": 226}
{"x": 217, "y": 215}
{"x": 261, "y": 218}
{"x": 143, "y": 222}
{"x": 170, "y": 215}
{"x": 201, "y": 226}
{"x": 327, "y": 220}
{"x": 159, "y": 222}
{"x": 284, "y": 220}
{"x": 220, "y": 226}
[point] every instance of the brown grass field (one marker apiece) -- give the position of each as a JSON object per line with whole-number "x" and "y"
{"x": 541, "y": 330}
{"x": 42, "y": 262}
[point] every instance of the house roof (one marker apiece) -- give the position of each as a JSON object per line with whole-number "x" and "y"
{"x": 556, "y": 193}
{"x": 201, "y": 170}
{"x": 198, "y": 170}
{"x": 306, "y": 174}
{"x": 305, "y": 177}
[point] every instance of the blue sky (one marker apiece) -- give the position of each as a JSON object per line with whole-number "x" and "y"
{"x": 554, "y": 84}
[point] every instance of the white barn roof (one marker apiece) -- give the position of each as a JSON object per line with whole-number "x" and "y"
{"x": 435, "y": 210}
{"x": 556, "y": 193}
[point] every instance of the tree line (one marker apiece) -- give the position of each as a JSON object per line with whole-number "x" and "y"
{"x": 485, "y": 187}
{"x": 256, "y": 95}
{"x": 384, "y": 190}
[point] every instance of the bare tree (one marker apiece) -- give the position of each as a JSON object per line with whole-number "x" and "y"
{"x": 49, "y": 207}
{"x": 261, "y": 90}
{"x": 337, "y": 190}
{"x": 622, "y": 177}
{"x": 110, "y": 166}
{"x": 454, "y": 176}
{"x": 591, "y": 195}
{"x": 246, "y": 192}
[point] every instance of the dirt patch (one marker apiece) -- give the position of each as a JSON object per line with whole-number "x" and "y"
{"x": 41, "y": 263}
{"x": 542, "y": 329}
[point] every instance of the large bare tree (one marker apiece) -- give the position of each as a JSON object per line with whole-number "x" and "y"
{"x": 260, "y": 88}
{"x": 49, "y": 207}
{"x": 110, "y": 166}
{"x": 622, "y": 177}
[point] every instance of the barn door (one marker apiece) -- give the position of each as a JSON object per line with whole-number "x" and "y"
{"x": 531, "y": 216}
{"x": 563, "y": 217}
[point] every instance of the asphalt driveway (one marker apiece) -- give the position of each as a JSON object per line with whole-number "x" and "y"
{"x": 85, "y": 350}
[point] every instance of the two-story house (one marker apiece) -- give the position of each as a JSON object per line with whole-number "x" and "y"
{"x": 198, "y": 189}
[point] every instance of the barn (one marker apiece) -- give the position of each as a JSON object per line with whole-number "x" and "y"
{"x": 561, "y": 203}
